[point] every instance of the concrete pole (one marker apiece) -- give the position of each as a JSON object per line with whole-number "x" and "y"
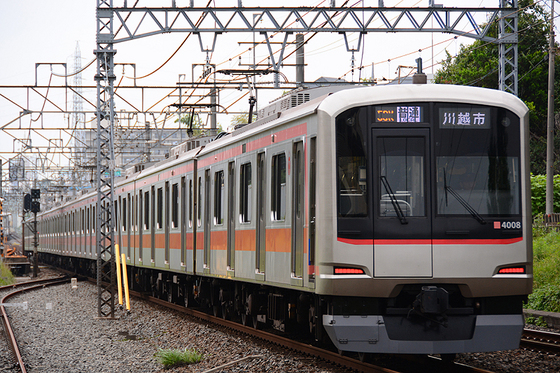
{"x": 300, "y": 60}
{"x": 550, "y": 120}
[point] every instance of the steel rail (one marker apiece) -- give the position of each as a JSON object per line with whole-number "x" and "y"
{"x": 12, "y": 341}
{"x": 541, "y": 341}
{"x": 329, "y": 356}
{"x": 325, "y": 355}
{"x": 27, "y": 283}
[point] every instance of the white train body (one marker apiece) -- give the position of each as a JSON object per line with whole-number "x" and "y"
{"x": 397, "y": 219}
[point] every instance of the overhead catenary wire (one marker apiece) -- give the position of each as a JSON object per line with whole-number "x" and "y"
{"x": 445, "y": 41}
{"x": 182, "y": 44}
{"x": 184, "y": 41}
{"x": 200, "y": 19}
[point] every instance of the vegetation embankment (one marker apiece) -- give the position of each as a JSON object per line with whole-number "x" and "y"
{"x": 546, "y": 250}
{"x": 546, "y": 271}
{"x": 6, "y": 276}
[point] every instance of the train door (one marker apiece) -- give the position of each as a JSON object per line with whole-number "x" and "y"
{"x": 128, "y": 224}
{"x": 261, "y": 214}
{"x": 207, "y": 218}
{"x": 298, "y": 216}
{"x": 141, "y": 222}
{"x": 312, "y": 199}
{"x": 134, "y": 211}
{"x": 153, "y": 224}
{"x": 401, "y": 186}
{"x": 183, "y": 220}
{"x": 167, "y": 223}
{"x": 231, "y": 216}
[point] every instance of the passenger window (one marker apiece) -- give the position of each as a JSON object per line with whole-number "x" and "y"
{"x": 113, "y": 214}
{"x": 199, "y": 211}
{"x": 278, "y": 192}
{"x": 175, "y": 205}
{"x": 123, "y": 205}
{"x": 159, "y": 208}
{"x": 219, "y": 198}
{"x": 147, "y": 210}
{"x": 134, "y": 212}
{"x": 190, "y": 203}
{"x": 351, "y": 165}
{"x": 401, "y": 165}
{"x": 245, "y": 192}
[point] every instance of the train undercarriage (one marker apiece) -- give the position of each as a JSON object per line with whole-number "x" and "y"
{"x": 425, "y": 319}
{"x": 251, "y": 304}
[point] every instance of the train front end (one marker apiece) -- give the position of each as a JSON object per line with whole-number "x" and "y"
{"x": 425, "y": 209}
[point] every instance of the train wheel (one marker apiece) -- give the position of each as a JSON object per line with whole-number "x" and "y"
{"x": 244, "y": 318}
{"x": 216, "y": 311}
{"x": 188, "y": 295}
{"x": 225, "y": 312}
{"x": 255, "y": 321}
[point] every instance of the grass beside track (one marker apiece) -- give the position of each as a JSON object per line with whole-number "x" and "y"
{"x": 6, "y": 276}
{"x": 170, "y": 357}
{"x": 546, "y": 271}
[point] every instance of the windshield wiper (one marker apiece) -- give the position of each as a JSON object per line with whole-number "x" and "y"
{"x": 394, "y": 201}
{"x": 461, "y": 200}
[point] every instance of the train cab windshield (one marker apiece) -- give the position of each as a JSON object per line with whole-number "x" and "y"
{"x": 415, "y": 163}
{"x": 477, "y": 161}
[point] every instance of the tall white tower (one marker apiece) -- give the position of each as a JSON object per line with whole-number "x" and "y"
{"x": 78, "y": 122}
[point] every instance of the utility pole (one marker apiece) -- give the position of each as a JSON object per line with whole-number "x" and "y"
{"x": 105, "y": 219}
{"x": 549, "y": 207}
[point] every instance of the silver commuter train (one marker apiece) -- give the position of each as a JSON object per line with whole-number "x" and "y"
{"x": 396, "y": 219}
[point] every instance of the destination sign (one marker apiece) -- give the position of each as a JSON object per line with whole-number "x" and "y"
{"x": 399, "y": 114}
{"x": 465, "y": 117}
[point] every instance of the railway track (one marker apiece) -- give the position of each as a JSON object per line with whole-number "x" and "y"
{"x": 536, "y": 340}
{"x": 350, "y": 363}
{"x": 428, "y": 364}
{"x": 276, "y": 339}
{"x": 9, "y": 291}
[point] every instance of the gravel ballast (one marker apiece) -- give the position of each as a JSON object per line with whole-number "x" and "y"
{"x": 60, "y": 332}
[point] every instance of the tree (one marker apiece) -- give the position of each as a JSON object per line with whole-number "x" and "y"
{"x": 477, "y": 65}
{"x": 241, "y": 119}
{"x": 197, "y": 124}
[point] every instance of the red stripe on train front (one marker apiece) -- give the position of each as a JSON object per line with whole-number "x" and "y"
{"x": 482, "y": 241}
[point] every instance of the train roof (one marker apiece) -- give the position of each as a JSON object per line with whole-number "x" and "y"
{"x": 333, "y": 103}
{"x": 340, "y": 101}
{"x": 268, "y": 123}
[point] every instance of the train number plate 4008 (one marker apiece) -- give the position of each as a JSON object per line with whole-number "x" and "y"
{"x": 507, "y": 225}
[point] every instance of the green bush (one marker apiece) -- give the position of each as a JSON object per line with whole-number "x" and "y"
{"x": 6, "y": 276}
{"x": 536, "y": 321}
{"x": 170, "y": 358}
{"x": 538, "y": 194}
{"x": 545, "y": 299}
{"x": 546, "y": 273}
